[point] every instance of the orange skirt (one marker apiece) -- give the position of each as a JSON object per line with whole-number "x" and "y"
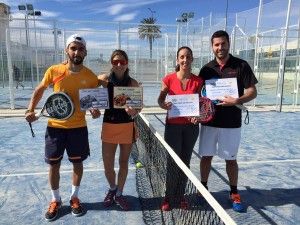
{"x": 121, "y": 133}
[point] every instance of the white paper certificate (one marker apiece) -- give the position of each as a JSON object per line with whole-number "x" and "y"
{"x": 183, "y": 105}
{"x": 218, "y": 88}
{"x": 96, "y": 98}
{"x": 128, "y": 96}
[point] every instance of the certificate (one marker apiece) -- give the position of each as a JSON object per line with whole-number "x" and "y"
{"x": 218, "y": 88}
{"x": 183, "y": 105}
{"x": 93, "y": 98}
{"x": 128, "y": 96}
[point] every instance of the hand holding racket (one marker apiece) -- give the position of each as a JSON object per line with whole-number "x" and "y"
{"x": 206, "y": 110}
{"x": 57, "y": 106}
{"x": 227, "y": 101}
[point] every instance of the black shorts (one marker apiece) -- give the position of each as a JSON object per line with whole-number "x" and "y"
{"x": 74, "y": 140}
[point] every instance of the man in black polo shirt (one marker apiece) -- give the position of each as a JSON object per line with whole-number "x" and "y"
{"x": 222, "y": 135}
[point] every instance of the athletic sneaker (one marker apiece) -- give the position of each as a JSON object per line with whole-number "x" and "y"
{"x": 52, "y": 211}
{"x": 165, "y": 205}
{"x": 184, "y": 203}
{"x": 236, "y": 202}
{"x": 109, "y": 198}
{"x": 122, "y": 202}
{"x": 76, "y": 207}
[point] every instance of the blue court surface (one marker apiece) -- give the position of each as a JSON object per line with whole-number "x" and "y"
{"x": 269, "y": 162}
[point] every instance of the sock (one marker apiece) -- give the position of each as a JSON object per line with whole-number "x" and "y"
{"x": 75, "y": 190}
{"x": 55, "y": 195}
{"x": 233, "y": 189}
{"x": 204, "y": 183}
{"x": 113, "y": 188}
{"x": 119, "y": 193}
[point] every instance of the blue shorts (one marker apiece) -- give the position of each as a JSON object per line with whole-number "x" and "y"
{"x": 74, "y": 141}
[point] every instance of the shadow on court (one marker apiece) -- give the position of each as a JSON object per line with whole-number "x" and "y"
{"x": 99, "y": 206}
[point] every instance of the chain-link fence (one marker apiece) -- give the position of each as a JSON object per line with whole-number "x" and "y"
{"x": 269, "y": 41}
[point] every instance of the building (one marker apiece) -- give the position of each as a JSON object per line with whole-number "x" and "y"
{"x": 4, "y": 20}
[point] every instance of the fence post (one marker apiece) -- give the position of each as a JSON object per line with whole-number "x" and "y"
{"x": 10, "y": 71}
{"x": 282, "y": 61}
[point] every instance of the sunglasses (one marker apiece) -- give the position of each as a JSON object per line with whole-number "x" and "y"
{"x": 122, "y": 62}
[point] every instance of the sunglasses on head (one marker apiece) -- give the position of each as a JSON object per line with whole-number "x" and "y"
{"x": 116, "y": 62}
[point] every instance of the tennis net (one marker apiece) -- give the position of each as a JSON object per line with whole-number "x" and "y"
{"x": 161, "y": 165}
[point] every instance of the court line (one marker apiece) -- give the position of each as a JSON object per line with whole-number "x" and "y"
{"x": 133, "y": 168}
{"x": 46, "y": 173}
{"x": 258, "y": 162}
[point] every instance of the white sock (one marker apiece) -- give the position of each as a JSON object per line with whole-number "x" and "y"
{"x": 55, "y": 195}
{"x": 113, "y": 188}
{"x": 75, "y": 190}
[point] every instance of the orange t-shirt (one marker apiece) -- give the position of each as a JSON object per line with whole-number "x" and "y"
{"x": 62, "y": 80}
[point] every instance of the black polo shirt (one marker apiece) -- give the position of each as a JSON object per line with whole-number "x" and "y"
{"x": 229, "y": 116}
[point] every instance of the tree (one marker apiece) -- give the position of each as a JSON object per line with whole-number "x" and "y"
{"x": 150, "y": 31}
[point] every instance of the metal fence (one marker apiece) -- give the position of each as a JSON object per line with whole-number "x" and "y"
{"x": 269, "y": 41}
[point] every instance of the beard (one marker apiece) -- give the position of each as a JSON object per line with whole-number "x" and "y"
{"x": 77, "y": 60}
{"x": 222, "y": 55}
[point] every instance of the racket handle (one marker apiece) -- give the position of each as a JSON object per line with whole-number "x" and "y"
{"x": 32, "y": 133}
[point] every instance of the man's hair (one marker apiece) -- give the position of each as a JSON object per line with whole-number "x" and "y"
{"x": 220, "y": 33}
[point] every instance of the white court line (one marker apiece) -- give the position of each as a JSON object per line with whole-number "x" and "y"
{"x": 46, "y": 173}
{"x": 258, "y": 162}
{"x": 133, "y": 168}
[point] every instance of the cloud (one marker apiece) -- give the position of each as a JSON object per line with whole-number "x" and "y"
{"x": 115, "y": 9}
{"x": 59, "y": 1}
{"x": 125, "y": 17}
{"x": 49, "y": 13}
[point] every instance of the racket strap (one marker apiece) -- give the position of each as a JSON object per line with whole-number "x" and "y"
{"x": 246, "y": 120}
{"x": 32, "y": 133}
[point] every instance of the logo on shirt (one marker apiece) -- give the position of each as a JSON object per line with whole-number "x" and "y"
{"x": 232, "y": 73}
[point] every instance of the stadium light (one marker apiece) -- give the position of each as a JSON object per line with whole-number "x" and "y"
{"x": 29, "y": 11}
{"x": 186, "y": 17}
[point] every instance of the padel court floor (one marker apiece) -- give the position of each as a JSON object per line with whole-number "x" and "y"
{"x": 269, "y": 162}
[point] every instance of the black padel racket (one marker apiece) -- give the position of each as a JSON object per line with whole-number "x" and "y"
{"x": 57, "y": 106}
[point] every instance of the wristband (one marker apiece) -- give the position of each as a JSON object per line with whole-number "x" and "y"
{"x": 28, "y": 110}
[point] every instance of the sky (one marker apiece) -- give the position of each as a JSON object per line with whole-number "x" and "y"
{"x": 132, "y": 11}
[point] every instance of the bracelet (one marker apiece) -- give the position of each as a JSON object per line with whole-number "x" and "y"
{"x": 28, "y": 110}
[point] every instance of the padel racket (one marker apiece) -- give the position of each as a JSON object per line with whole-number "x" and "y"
{"x": 57, "y": 106}
{"x": 215, "y": 102}
{"x": 206, "y": 110}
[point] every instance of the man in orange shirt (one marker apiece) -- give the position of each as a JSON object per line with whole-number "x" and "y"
{"x": 70, "y": 134}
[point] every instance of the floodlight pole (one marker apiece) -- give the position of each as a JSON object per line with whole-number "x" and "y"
{"x": 226, "y": 15}
{"x": 29, "y": 11}
{"x": 178, "y": 32}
